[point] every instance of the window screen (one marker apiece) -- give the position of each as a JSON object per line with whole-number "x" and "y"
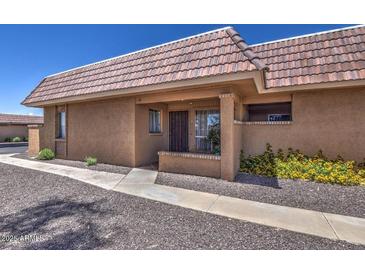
{"x": 155, "y": 121}
{"x": 205, "y": 120}
{"x": 62, "y": 125}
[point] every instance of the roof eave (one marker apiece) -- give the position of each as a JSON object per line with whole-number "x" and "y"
{"x": 254, "y": 75}
{"x": 315, "y": 86}
{"x": 30, "y": 94}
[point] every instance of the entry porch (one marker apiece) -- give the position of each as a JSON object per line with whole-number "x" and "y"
{"x": 201, "y": 135}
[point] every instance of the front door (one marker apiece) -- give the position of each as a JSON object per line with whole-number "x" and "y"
{"x": 179, "y": 124}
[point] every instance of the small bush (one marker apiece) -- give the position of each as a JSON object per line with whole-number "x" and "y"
{"x": 46, "y": 154}
{"x": 25, "y": 139}
{"x": 8, "y": 139}
{"x": 16, "y": 139}
{"x": 263, "y": 164}
{"x": 296, "y": 165}
{"x": 91, "y": 161}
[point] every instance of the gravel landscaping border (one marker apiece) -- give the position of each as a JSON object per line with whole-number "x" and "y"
{"x": 67, "y": 214}
{"x": 344, "y": 200}
{"x": 79, "y": 164}
{"x": 337, "y": 199}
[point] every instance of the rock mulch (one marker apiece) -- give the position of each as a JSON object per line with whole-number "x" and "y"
{"x": 344, "y": 200}
{"x": 61, "y": 213}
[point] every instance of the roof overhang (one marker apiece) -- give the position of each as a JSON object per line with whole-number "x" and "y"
{"x": 256, "y": 76}
{"x": 320, "y": 86}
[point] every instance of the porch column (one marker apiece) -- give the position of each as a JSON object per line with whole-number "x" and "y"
{"x": 227, "y": 134}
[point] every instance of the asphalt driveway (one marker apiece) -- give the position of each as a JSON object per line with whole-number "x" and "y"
{"x": 44, "y": 211}
{"x": 13, "y": 149}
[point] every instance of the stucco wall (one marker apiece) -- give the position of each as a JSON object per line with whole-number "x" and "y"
{"x": 329, "y": 120}
{"x": 13, "y": 131}
{"x": 188, "y": 165}
{"x": 103, "y": 129}
{"x": 148, "y": 145}
{"x": 237, "y": 145}
{"x": 49, "y": 128}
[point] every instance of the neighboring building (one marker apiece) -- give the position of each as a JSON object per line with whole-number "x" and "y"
{"x": 305, "y": 92}
{"x": 14, "y": 125}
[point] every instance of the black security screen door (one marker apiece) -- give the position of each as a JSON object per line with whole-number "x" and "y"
{"x": 178, "y": 124}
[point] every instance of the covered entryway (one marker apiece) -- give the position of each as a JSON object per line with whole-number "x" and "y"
{"x": 179, "y": 131}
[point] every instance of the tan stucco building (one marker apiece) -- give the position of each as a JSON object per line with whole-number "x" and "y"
{"x": 163, "y": 103}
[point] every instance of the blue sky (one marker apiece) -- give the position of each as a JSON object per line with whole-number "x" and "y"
{"x": 30, "y": 52}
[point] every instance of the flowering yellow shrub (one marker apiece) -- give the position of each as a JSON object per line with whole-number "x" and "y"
{"x": 298, "y": 166}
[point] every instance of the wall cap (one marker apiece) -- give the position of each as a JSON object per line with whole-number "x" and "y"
{"x": 263, "y": 123}
{"x": 35, "y": 126}
{"x": 225, "y": 95}
{"x": 190, "y": 155}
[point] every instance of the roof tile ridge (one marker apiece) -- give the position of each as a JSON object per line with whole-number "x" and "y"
{"x": 246, "y": 49}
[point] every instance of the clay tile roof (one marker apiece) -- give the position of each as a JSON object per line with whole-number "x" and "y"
{"x": 209, "y": 54}
{"x": 20, "y": 119}
{"x": 247, "y": 51}
{"x": 331, "y": 56}
{"x": 318, "y": 58}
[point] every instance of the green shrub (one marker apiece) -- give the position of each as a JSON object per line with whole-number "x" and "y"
{"x": 8, "y": 139}
{"x": 91, "y": 161}
{"x": 16, "y": 139}
{"x": 46, "y": 154}
{"x": 263, "y": 164}
{"x": 25, "y": 139}
{"x": 217, "y": 150}
{"x": 295, "y": 165}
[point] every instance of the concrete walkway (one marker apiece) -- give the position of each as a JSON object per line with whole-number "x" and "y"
{"x": 98, "y": 178}
{"x": 140, "y": 183}
{"x": 140, "y": 176}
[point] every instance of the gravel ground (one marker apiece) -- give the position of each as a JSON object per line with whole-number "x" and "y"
{"x": 345, "y": 200}
{"x": 79, "y": 164}
{"x": 68, "y": 214}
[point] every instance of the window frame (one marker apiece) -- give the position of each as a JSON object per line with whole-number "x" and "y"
{"x": 61, "y": 127}
{"x": 159, "y": 131}
{"x": 272, "y": 109}
{"x": 208, "y": 112}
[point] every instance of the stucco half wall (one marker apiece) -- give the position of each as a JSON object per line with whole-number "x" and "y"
{"x": 190, "y": 163}
{"x": 333, "y": 121}
{"x": 35, "y": 134}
